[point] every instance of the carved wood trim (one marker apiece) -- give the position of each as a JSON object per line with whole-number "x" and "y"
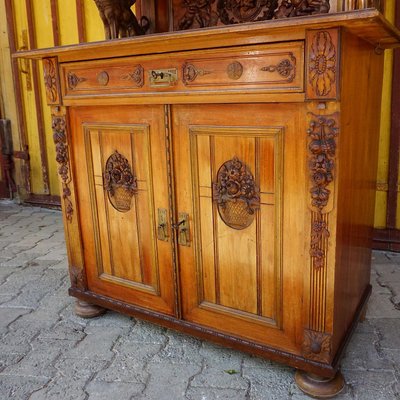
{"x": 323, "y": 67}
{"x": 322, "y": 133}
{"x": 317, "y": 346}
{"x": 285, "y": 68}
{"x": 136, "y": 76}
{"x": 74, "y": 80}
{"x": 190, "y": 73}
{"x": 51, "y": 81}
{"x": 62, "y": 158}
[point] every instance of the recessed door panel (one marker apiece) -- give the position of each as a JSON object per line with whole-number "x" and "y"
{"x": 236, "y": 211}
{"x": 126, "y": 175}
{"x": 233, "y": 179}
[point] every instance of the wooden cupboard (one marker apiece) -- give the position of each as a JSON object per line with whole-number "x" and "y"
{"x": 221, "y": 181}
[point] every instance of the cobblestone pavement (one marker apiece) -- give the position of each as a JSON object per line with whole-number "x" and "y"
{"x": 46, "y": 352}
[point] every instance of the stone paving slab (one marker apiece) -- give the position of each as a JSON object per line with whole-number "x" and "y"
{"x": 48, "y": 353}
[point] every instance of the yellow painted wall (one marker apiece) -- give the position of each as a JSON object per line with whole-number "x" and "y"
{"x": 384, "y": 138}
{"x": 7, "y": 99}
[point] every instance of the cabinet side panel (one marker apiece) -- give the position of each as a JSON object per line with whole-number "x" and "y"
{"x": 358, "y": 151}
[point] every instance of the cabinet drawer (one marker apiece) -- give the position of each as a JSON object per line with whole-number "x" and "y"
{"x": 268, "y": 68}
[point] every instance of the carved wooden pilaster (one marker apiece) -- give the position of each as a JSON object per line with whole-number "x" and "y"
{"x": 68, "y": 200}
{"x": 323, "y": 67}
{"x": 322, "y": 134}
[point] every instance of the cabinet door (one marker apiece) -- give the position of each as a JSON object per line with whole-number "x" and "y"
{"x": 122, "y": 185}
{"x": 240, "y": 178}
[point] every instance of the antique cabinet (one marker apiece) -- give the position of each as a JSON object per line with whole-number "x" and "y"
{"x": 221, "y": 181}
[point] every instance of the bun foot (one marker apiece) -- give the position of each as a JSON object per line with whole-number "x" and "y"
{"x": 318, "y": 386}
{"x": 87, "y": 310}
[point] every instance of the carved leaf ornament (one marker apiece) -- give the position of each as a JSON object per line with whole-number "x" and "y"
{"x": 322, "y": 64}
{"x": 236, "y": 194}
{"x": 119, "y": 182}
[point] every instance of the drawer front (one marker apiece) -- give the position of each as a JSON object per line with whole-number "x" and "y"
{"x": 268, "y": 68}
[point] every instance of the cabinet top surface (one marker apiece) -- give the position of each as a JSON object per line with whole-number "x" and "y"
{"x": 368, "y": 24}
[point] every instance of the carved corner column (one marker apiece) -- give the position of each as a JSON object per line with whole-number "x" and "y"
{"x": 68, "y": 201}
{"x": 323, "y": 129}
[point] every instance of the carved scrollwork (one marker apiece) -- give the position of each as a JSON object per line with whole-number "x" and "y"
{"x": 51, "y": 80}
{"x": 317, "y": 346}
{"x": 62, "y": 158}
{"x": 136, "y": 76}
{"x": 74, "y": 80}
{"x": 236, "y": 194}
{"x": 322, "y": 64}
{"x": 119, "y": 182}
{"x": 285, "y": 68}
{"x": 190, "y": 73}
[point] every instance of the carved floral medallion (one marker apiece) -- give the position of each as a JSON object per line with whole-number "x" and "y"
{"x": 317, "y": 346}
{"x": 62, "y": 158}
{"x": 236, "y": 194}
{"x": 322, "y": 64}
{"x": 119, "y": 182}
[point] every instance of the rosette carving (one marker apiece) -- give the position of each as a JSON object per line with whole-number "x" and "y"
{"x": 236, "y": 194}
{"x": 322, "y": 65}
{"x": 317, "y": 346}
{"x": 119, "y": 182}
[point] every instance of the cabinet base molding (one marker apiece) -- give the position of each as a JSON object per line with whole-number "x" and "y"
{"x": 84, "y": 309}
{"x": 313, "y": 367}
{"x": 319, "y": 387}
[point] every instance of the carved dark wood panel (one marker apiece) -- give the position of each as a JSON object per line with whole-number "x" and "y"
{"x": 204, "y": 13}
